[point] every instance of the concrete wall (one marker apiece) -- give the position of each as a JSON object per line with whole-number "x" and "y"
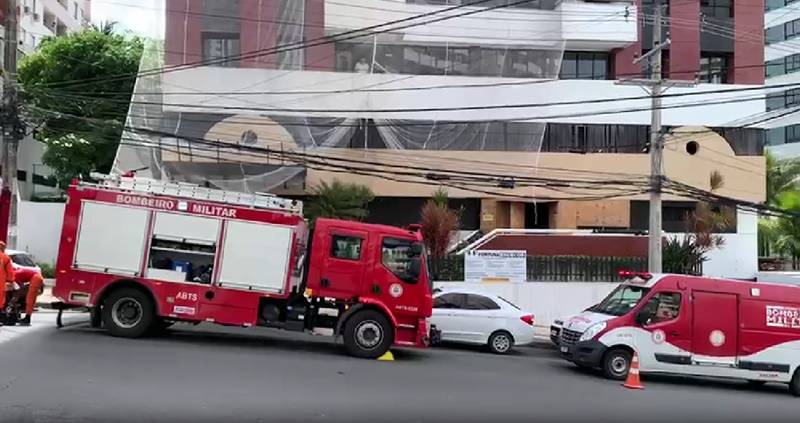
{"x": 39, "y": 229}
{"x": 546, "y": 300}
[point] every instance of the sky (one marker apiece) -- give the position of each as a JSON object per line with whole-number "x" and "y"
{"x": 143, "y": 17}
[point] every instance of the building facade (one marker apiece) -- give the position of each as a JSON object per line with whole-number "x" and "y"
{"x": 782, "y": 63}
{"x": 237, "y": 76}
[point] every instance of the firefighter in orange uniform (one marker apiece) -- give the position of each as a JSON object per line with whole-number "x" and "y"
{"x": 34, "y": 290}
{"x": 6, "y": 274}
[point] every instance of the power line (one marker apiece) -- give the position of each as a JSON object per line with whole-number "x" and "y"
{"x": 348, "y": 35}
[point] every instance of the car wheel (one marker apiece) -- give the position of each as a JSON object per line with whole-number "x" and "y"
{"x": 794, "y": 385}
{"x": 501, "y": 342}
{"x": 368, "y": 334}
{"x": 128, "y": 313}
{"x": 616, "y": 363}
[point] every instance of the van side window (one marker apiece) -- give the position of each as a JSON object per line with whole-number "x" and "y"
{"x": 663, "y": 307}
{"x": 346, "y": 247}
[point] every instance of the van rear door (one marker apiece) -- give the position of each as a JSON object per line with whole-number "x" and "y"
{"x": 715, "y": 327}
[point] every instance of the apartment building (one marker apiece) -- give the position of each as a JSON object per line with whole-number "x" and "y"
{"x": 782, "y": 63}
{"x": 396, "y": 97}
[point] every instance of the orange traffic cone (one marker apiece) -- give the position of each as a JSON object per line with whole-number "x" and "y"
{"x": 633, "y": 381}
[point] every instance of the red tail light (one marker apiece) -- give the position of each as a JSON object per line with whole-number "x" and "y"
{"x": 527, "y": 319}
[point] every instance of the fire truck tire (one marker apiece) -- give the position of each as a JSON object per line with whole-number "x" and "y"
{"x": 368, "y": 334}
{"x": 794, "y": 385}
{"x": 616, "y": 363}
{"x": 128, "y": 313}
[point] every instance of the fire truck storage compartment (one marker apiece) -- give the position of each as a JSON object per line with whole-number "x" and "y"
{"x": 256, "y": 256}
{"x": 183, "y": 248}
{"x": 105, "y": 245}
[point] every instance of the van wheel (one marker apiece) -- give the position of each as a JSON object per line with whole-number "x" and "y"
{"x": 794, "y": 385}
{"x": 368, "y": 334}
{"x": 616, "y": 363}
{"x": 128, "y": 313}
{"x": 501, "y": 342}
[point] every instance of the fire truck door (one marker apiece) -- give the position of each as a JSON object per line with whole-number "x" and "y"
{"x": 714, "y": 327}
{"x": 345, "y": 261}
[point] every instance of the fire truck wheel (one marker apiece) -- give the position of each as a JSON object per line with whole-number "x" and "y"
{"x": 128, "y": 313}
{"x": 616, "y": 363}
{"x": 794, "y": 385}
{"x": 368, "y": 334}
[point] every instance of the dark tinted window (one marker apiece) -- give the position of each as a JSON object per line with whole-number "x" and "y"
{"x": 449, "y": 301}
{"x": 23, "y": 260}
{"x": 584, "y": 65}
{"x": 346, "y": 247}
{"x": 479, "y": 302}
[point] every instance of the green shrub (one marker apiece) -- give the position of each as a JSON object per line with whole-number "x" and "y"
{"x": 48, "y": 270}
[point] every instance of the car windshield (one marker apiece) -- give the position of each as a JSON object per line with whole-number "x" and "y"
{"x": 23, "y": 260}
{"x": 621, "y": 300}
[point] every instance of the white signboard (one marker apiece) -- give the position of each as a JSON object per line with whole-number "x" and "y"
{"x": 496, "y": 266}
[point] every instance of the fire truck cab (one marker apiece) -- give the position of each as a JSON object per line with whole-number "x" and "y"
{"x": 691, "y": 325}
{"x": 142, "y": 254}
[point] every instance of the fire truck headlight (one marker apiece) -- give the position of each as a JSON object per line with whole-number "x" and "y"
{"x": 593, "y": 331}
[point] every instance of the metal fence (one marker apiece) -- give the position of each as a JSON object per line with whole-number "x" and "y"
{"x": 553, "y": 268}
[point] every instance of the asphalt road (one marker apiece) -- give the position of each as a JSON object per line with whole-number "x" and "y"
{"x": 207, "y": 373}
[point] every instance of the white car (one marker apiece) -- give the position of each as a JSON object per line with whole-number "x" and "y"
{"x": 23, "y": 262}
{"x": 481, "y": 318}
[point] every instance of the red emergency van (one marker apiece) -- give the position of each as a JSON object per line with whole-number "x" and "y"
{"x": 691, "y": 325}
{"x": 142, "y": 254}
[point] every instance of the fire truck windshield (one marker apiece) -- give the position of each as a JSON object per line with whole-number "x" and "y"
{"x": 621, "y": 300}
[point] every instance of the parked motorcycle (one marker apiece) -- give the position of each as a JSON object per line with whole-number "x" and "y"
{"x": 11, "y": 314}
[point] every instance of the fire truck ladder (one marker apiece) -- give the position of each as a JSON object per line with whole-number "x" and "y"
{"x": 196, "y": 192}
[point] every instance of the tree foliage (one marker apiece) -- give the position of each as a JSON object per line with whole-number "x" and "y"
{"x": 339, "y": 200}
{"x": 684, "y": 254}
{"x": 780, "y": 235}
{"x": 439, "y": 223}
{"x": 77, "y": 89}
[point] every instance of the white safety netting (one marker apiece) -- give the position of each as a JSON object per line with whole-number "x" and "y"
{"x": 235, "y": 124}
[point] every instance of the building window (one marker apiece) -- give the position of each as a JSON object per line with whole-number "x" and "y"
{"x": 792, "y": 134}
{"x": 716, "y": 8}
{"x": 220, "y": 48}
{"x": 791, "y": 29}
{"x": 584, "y": 65}
{"x": 788, "y": 64}
{"x": 777, "y": 4}
{"x": 536, "y": 4}
{"x": 713, "y": 69}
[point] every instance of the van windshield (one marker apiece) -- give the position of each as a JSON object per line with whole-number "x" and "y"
{"x": 621, "y": 300}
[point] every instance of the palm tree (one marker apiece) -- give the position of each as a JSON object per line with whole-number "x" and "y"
{"x": 106, "y": 27}
{"x": 782, "y": 179}
{"x": 782, "y": 176}
{"x": 439, "y": 223}
{"x": 339, "y": 200}
{"x": 684, "y": 255}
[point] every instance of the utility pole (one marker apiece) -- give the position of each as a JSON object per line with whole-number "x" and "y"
{"x": 9, "y": 118}
{"x": 656, "y": 86}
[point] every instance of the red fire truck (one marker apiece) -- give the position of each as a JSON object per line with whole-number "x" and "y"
{"x": 142, "y": 254}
